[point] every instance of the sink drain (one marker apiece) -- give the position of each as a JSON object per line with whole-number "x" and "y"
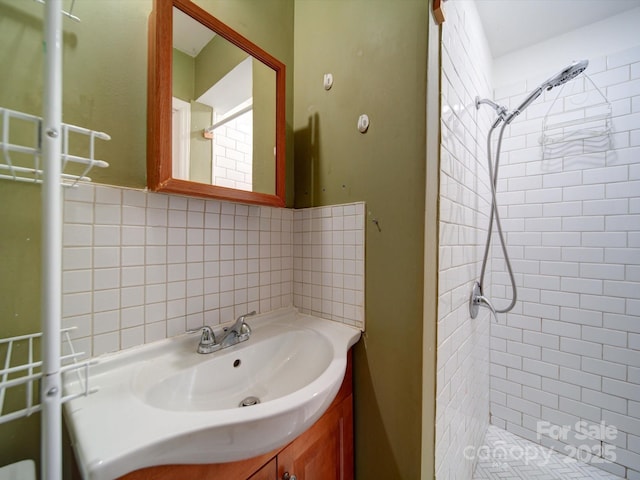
{"x": 249, "y": 401}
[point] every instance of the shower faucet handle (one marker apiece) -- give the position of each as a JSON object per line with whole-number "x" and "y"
{"x": 477, "y": 300}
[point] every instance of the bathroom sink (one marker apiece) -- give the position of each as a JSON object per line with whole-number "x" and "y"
{"x": 277, "y": 365}
{"x": 163, "y": 403}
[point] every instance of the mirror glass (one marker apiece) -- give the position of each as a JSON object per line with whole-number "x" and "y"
{"x": 215, "y": 88}
{"x": 216, "y": 119}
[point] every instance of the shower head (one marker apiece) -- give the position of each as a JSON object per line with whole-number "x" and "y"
{"x": 569, "y": 73}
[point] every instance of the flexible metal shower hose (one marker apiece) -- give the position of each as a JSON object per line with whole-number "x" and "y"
{"x": 493, "y": 173}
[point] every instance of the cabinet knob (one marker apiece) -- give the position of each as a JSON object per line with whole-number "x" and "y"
{"x": 287, "y": 476}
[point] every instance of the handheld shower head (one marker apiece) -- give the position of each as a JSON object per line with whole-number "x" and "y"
{"x": 569, "y": 73}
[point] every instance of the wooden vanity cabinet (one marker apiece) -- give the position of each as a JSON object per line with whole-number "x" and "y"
{"x": 267, "y": 472}
{"x": 323, "y": 452}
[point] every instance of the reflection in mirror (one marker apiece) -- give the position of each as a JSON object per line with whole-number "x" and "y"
{"x": 213, "y": 111}
{"x": 216, "y": 104}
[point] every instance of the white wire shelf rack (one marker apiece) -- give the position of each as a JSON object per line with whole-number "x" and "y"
{"x": 21, "y": 161}
{"x": 583, "y": 125}
{"x": 20, "y": 374}
{"x": 38, "y": 150}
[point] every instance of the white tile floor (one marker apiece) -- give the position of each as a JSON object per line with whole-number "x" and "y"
{"x": 509, "y": 457}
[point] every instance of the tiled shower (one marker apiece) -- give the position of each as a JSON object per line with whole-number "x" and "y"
{"x": 563, "y": 368}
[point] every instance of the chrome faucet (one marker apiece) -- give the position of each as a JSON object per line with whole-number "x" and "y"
{"x": 208, "y": 343}
{"x": 239, "y": 332}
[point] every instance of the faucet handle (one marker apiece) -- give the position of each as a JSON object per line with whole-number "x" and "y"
{"x": 240, "y": 326}
{"x": 242, "y": 330}
{"x": 242, "y": 317}
{"x": 207, "y": 339}
{"x": 208, "y": 343}
{"x": 207, "y": 333}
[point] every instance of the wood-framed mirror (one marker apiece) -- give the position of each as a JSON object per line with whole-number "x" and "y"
{"x": 203, "y": 137}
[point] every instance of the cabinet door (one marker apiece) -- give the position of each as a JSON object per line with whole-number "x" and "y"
{"x": 322, "y": 452}
{"x": 268, "y": 472}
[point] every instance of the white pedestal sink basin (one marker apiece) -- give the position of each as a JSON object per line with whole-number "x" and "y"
{"x": 163, "y": 403}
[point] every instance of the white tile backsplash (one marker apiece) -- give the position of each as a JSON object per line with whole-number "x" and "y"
{"x": 328, "y": 262}
{"x": 139, "y": 266}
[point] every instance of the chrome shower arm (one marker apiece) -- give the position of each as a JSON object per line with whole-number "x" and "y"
{"x": 501, "y": 110}
{"x": 497, "y": 107}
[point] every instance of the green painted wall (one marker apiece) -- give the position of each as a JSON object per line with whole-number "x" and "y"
{"x": 200, "y": 147}
{"x": 185, "y": 69}
{"x": 183, "y": 75}
{"x": 376, "y": 51}
{"x": 183, "y": 83}
{"x": 268, "y": 23}
{"x": 264, "y": 138}
{"x": 209, "y": 71}
{"x": 105, "y": 87}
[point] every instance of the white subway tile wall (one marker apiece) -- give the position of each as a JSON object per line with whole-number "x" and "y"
{"x": 462, "y": 391}
{"x": 571, "y": 344}
{"x": 233, "y": 153}
{"x": 139, "y": 267}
